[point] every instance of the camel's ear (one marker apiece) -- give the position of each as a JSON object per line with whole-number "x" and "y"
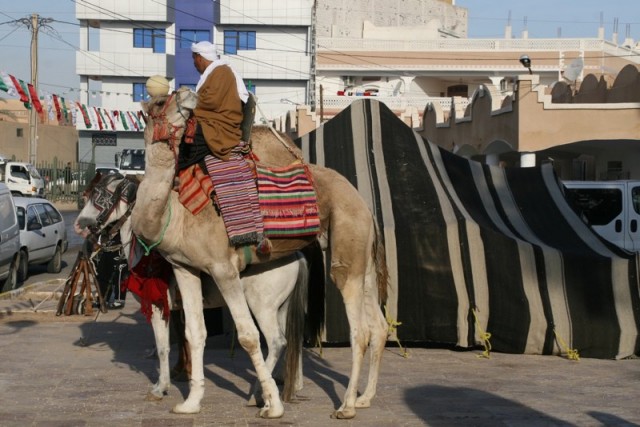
{"x": 188, "y": 98}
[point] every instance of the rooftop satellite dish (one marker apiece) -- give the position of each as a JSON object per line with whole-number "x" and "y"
{"x": 573, "y": 70}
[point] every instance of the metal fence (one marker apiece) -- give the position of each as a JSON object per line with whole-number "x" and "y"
{"x": 60, "y": 186}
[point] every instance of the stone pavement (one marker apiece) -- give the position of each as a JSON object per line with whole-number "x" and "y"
{"x": 94, "y": 371}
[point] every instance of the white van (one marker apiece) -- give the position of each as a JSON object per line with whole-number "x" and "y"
{"x": 9, "y": 241}
{"x": 22, "y": 178}
{"x": 611, "y": 208}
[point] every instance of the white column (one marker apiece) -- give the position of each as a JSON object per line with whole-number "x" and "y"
{"x": 527, "y": 160}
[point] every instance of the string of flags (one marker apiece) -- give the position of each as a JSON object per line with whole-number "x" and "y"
{"x": 74, "y": 113}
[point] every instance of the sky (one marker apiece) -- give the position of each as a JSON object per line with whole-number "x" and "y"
{"x": 486, "y": 19}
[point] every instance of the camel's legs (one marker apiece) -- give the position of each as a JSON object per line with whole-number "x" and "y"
{"x": 274, "y": 336}
{"x": 231, "y": 289}
{"x": 377, "y": 325}
{"x": 196, "y": 334}
{"x": 352, "y": 295}
{"x": 161, "y": 333}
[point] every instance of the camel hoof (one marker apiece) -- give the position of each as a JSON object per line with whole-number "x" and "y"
{"x": 153, "y": 397}
{"x": 271, "y": 413}
{"x": 344, "y": 414}
{"x": 181, "y": 408}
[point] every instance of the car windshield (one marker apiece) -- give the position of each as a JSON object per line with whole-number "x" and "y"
{"x": 33, "y": 172}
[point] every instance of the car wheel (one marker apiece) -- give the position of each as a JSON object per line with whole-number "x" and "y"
{"x": 23, "y": 267}
{"x": 55, "y": 265}
{"x": 12, "y": 279}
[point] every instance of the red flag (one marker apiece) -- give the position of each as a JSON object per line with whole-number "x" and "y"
{"x": 108, "y": 114}
{"x": 56, "y": 103}
{"x": 35, "y": 100}
{"x": 85, "y": 115}
{"x": 98, "y": 117}
{"x": 23, "y": 96}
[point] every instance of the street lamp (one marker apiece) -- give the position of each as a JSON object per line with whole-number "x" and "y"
{"x": 526, "y": 62}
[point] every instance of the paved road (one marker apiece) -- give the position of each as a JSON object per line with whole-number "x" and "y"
{"x": 94, "y": 371}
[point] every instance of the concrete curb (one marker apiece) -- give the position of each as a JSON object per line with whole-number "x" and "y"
{"x": 16, "y": 293}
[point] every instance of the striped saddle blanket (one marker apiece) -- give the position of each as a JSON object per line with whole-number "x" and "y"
{"x": 287, "y": 201}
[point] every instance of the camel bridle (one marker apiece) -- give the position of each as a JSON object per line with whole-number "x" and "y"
{"x": 106, "y": 201}
{"x": 163, "y": 130}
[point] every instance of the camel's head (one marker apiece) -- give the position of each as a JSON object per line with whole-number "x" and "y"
{"x": 168, "y": 116}
{"x": 107, "y": 199}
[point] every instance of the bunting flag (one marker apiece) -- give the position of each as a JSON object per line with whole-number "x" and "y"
{"x": 56, "y": 104}
{"x": 35, "y": 100}
{"x": 64, "y": 110}
{"x": 142, "y": 119}
{"x": 25, "y": 89}
{"x": 133, "y": 123}
{"x": 111, "y": 123}
{"x": 24, "y": 98}
{"x": 138, "y": 122}
{"x": 74, "y": 113}
{"x": 122, "y": 119}
{"x": 7, "y": 85}
{"x": 50, "y": 107}
{"x": 97, "y": 113}
{"x": 85, "y": 115}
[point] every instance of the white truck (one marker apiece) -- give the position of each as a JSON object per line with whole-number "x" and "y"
{"x": 130, "y": 161}
{"x": 22, "y": 178}
{"x": 611, "y": 208}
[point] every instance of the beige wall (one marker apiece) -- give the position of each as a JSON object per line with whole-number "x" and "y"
{"x": 53, "y": 140}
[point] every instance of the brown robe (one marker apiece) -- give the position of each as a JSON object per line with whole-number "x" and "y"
{"x": 219, "y": 111}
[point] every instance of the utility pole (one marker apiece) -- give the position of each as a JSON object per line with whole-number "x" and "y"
{"x": 34, "y": 23}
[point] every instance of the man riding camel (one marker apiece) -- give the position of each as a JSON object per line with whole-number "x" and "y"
{"x": 217, "y": 145}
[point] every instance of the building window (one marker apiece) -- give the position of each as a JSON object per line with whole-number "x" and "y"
{"x": 139, "y": 92}
{"x": 149, "y": 38}
{"x": 458, "y": 90}
{"x": 239, "y": 40}
{"x": 187, "y": 37}
{"x": 20, "y": 132}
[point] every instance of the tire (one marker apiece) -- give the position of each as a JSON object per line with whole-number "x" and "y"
{"x": 23, "y": 267}
{"x": 55, "y": 265}
{"x": 12, "y": 279}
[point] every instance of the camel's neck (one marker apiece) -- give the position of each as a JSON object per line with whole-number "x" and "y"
{"x": 151, "y": 210}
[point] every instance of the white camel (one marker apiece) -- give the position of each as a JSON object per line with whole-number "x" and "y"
{"x": 195, "y": 243}
{"x": 276, "y": 296}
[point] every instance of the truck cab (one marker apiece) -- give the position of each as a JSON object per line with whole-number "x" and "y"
{"x": 22, "y": 178}
{"x": 610, "y": 208}
{"x": 130, "y": 161}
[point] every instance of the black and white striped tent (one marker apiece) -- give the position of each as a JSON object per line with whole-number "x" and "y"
{"x": 473, "y": 248}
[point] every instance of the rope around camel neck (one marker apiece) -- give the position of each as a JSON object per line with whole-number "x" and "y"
{"x": 147, "y": 249}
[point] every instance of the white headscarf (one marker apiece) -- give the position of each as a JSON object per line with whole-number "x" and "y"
{"x": 208, "y": 51}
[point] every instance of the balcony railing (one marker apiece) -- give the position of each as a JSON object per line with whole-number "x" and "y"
{"x": 353, "y": 44}
{"x": 394, "y": 103}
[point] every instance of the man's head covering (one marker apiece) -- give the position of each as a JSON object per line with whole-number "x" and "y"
{"x": 205, "y": 49}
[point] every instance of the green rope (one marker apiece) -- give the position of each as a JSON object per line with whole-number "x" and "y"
{"x": 147, "y": 249}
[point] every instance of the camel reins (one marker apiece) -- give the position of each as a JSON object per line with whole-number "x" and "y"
{"x": 108, "y": 206}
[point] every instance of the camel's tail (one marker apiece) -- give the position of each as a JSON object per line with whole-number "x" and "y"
{"x": 295, "y": 330}
{"x": 380, "y": 262}
{"x": 307, "y": 296}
